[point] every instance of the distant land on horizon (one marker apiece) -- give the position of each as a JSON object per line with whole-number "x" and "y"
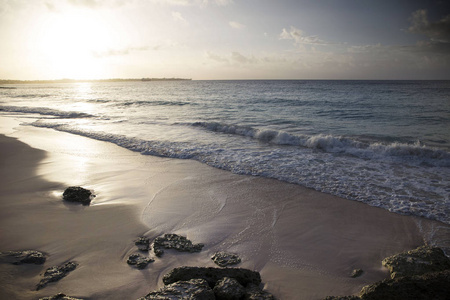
{"x": 66, "y": 80}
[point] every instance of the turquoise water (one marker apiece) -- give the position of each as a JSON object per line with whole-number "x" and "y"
{"x": 385, "y": 143}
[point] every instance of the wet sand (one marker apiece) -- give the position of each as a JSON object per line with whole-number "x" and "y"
{"x": 304, "y": 243}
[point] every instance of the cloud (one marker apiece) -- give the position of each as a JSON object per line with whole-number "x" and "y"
{"x": 223, "y": 2}
{"x": 119, "y": 52}
{"x": 175, "y": 2}
{"x": 179, "y": 18}
{"x": 236, "y": 25}
{"x": 192, "y": 2}
{"x": 88, "y": 3}
{"x": 216, "y": 57}
{"x": 300, "y": 38}
{"x": 238, "y": 57}
{"x": 95, "y": 3}
{"x": 233, "y": 58}
{"x": 437, "y": 31}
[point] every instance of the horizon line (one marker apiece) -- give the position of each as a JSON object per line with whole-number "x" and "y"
{"x": 144, "y": 79}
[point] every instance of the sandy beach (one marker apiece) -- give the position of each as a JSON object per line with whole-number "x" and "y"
{"x": 304, "y": 243}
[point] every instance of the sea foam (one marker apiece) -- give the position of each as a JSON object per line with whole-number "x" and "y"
{"x": 414, "y": 153}
{"x": 45, "y": 111}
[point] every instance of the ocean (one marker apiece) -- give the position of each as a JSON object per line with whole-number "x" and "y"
{"x": 384, "y": 143}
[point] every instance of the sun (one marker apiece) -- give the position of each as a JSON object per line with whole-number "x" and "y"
{"x": 68, "y": 42}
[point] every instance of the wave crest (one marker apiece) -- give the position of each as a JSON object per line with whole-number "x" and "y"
{"x": 45, "y": 111}
{"x": 337, "y": 144}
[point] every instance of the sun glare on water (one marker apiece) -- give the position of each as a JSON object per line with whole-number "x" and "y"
{"x": 68, "y": 43}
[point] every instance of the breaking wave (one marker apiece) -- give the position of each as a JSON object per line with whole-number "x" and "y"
{"x": 337, "y": 144}
{"x": 45, "y": 111}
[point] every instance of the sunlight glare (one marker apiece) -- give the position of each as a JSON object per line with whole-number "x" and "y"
{"x": 68, "y": 42}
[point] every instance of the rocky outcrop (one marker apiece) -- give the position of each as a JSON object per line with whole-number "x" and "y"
{"x": 174, "y": 241}
{"x": 56, "y": 273}
{"x": 139, "y": 261}
{"x": 342, "y": 298}
{"x": 254, "y": 292}
{"x": 59, "y": 296}
{"x": 435, "y": 285}
{"x": 194, "y": 289}
{"x": 417, "y": 262}
{"x": 211, "y": 283}
{"x": 419, "y": 274}
{"x": 212, "y": 275}
{"x": 224, "y": 259}
{"x": 23, "y": 257}
{"x": 78, "y": 194}
{"x": 143, "y": 243}
{"x": 228, "y": 289}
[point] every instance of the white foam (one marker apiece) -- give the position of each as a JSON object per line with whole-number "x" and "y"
{"x": 412, "y": 153}
{"x": 45, "y": 111}
{"x": 400, "y": 188}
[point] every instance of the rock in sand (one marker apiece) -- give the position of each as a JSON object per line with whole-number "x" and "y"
{"x": 59, "y": 296}
{"x": 78, "y": 194}
{"x": 202, "y": 283}
{"x": 56, "y": 273}
{"x": 139, "y": 261}
{"x": 174, "y": 241}
{"x": 23, "y": 257}
{"x": 143, "y": 243}
{"x": 224, "y": 259}
{"x": 417, "y": 262}
{"x": 194, "y": 289}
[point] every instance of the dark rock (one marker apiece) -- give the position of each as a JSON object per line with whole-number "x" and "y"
{"x": 419, "y": 274}
{"x": 434, "y": 286}
{"x": 212, "y": 275}
{"x": 78, "y": 194}
{"x": 224, "y": 259}
{"x": 254, "y": 292}
{"x": 342, "y": 298}
{"x": 416, "y": 262}
{"x": 143, "y": 243}
{"x": 356, "y": 273}
{"x": 194, "y": 289}
{"x": 139, "y": 261}
{"x": 56, "y": 273}
{"x": 228, "y": 289}
{"x": 59, "y": 296}
{"x": 23, "y": 257}
{"x": 174, "y": 241}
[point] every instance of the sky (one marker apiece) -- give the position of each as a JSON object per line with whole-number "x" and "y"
{"x": 225, "y": 39}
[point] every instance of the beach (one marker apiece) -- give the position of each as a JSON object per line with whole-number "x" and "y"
{"x": 304, "y": 243}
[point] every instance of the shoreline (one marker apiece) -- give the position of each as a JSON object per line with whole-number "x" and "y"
{"x": 304, "y": 243}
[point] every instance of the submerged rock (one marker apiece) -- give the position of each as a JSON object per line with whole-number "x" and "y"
{"x": 416, "y": 262}
{"x": 224, "y": 259}
{"x": 212, "y": 275}
{"x": 56, "y": 273}
{"x": 435, "y": 285}
{"x": 59, "y": 296}
{"x": 194, "y": 289}
{"x": 78, "y": 194}
{"x": 143, "y": 243}
{"x": 174, "y": 241}
{"x": 356, "y": 273}
{"x": 139, "y": 261}
{"x": 228, "y": 289}
{"x": 23, "y": 257}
